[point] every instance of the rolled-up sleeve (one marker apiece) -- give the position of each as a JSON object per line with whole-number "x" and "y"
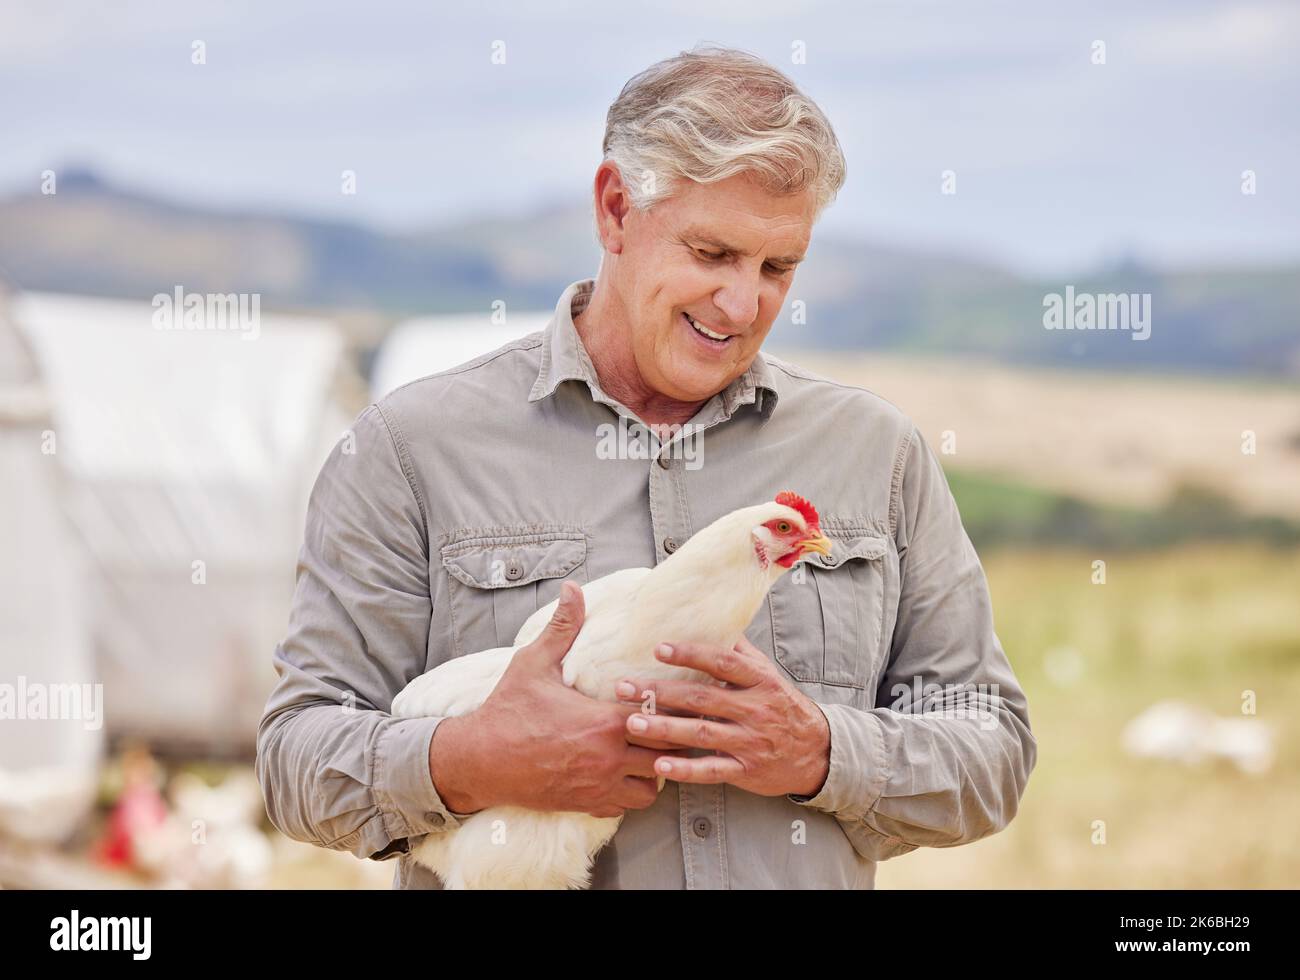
{"x": 336, "y": 769}
{"x": 944, "y": 757}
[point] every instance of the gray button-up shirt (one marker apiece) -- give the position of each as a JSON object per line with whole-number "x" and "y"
{"x": 456, "y": 506}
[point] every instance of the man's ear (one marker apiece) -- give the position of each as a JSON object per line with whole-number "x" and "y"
{"x": 612, "y": 206}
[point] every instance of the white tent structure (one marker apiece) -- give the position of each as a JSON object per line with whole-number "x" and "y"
{"x": 426, "y": 345}
{"x": 48, "y": 766}
{"x": 188, "y": 457}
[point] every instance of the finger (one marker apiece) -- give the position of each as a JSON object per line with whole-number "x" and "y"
{"x": 639, "y": 700}
{"x": 628, "y": 711}
{"x": 716, "y": 661}
{"x": 559, "y": 634}
{"x": 700, "y": 769}
{"x": 641, "y": 762}
{"x": 675, "y": 697}
{"x": 696, "y": 733}
{"x": 637, "y": 793}
{"x": 649, "y": 743}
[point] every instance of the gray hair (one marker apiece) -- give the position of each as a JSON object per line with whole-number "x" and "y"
{"x": 711, "y": 113}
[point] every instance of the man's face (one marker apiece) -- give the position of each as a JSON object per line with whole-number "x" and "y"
{"x": 722, "y": 255}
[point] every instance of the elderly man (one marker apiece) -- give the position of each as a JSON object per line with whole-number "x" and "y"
{"x": 871, "y": 709}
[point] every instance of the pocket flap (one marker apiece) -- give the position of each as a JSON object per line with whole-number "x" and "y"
{"x": 845, "y": 549}
{"x": 504, "y": 559}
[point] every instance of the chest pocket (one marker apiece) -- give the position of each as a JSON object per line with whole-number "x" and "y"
{"x": 828, "y": 621}
{"x": 499, "y": 576}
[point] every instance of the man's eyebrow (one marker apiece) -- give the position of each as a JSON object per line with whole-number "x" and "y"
{"x": 704, "y": 238}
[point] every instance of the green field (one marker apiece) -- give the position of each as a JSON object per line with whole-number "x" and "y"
{"x": 1201, "y": 623}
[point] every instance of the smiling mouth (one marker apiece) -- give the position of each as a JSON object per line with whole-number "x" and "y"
{"x": 710, "y": 335}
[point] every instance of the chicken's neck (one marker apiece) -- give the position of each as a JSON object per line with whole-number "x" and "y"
{"x": 709, "y": 590}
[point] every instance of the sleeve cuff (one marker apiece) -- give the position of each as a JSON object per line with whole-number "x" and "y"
{"x": 858, "y": 773}
{"x": 403, "y": 786}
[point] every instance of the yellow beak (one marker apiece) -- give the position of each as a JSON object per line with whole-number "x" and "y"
{"x": 820, "y": 544}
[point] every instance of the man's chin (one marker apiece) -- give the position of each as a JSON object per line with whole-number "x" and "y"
{"x": 692, "y": 379}
{"x": 698, "y": 389}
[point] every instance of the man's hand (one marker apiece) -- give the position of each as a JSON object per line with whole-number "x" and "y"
{"x": 539, "y": 744}
{"x": 769, "y": 737}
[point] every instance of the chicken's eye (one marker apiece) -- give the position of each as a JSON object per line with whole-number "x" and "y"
{"x": 783, "y": 527}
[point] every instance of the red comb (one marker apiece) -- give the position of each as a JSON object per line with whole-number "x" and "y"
{"x": 807, "y": 510}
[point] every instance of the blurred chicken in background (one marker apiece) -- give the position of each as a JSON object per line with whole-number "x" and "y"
{"x": 1179, "y": 732}
{"x": 198, "y": 836}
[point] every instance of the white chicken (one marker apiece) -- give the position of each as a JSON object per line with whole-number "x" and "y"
{"x": 707, "y": 591}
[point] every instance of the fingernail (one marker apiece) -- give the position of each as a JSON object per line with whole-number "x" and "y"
{"x": 637, "y": 723}
{"x": 664, "y": 651}
{"x": 664, "y": 766}
{"x": 625, "y": 690}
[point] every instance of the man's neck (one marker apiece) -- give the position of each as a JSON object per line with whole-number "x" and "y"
{"x": 602, "y": 328}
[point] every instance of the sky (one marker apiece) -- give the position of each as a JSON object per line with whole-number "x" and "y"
{"x": 1060, "y": 163}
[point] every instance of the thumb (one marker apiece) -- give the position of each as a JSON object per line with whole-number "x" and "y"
{"x": 565, "y": 623}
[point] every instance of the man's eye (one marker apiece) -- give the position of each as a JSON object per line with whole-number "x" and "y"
{"x": 776, "y": 270}
{"x": 708, "y": 256}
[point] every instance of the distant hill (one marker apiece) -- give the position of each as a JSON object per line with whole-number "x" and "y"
{"x": 97, "y": 239}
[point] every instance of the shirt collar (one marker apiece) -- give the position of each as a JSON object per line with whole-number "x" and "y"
{"x": 565, "y": 359}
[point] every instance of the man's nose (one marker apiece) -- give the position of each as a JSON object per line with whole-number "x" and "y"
{"x": 737, "y": 300}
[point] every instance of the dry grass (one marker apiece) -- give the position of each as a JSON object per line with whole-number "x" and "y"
{"x": 1107, "y": 437}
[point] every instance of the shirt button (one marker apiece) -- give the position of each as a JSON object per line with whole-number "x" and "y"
{"x": 665, "y": 461}
{"x": 670, "y": 545}
{"x": 434, "y": 818}
{"x": 702, "y": 827}
{"x": 514, "y": 570}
